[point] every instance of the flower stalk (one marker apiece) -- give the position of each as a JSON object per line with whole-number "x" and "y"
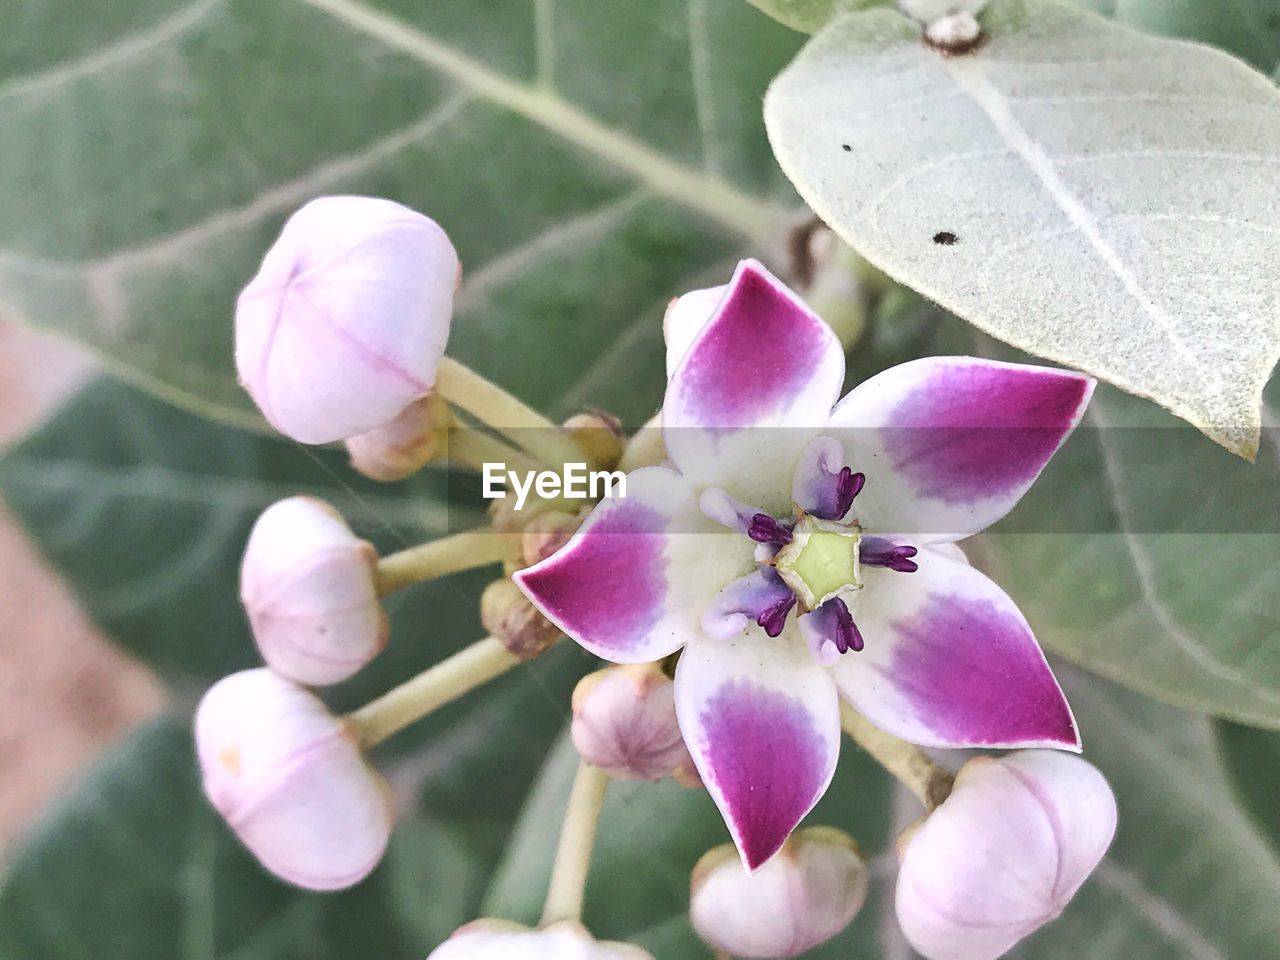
{"x": 433, "y": 688}
{"x": 489, "y": 403}
{"x": 577, "y": 839}
{"x": 470, "y": 447}
{"x": 439, "y": 558}
{"x": 930, "y": 782}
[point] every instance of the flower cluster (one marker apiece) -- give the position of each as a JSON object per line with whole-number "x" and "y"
{"x": 786, "y": 569}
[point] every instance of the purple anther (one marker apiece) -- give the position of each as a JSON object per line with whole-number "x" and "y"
{"x": 878, "y": 552}
{"x": 765, "y": 529}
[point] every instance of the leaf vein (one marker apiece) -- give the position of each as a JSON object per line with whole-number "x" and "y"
{"x": 127, "y": 48}
{"x": 717, "y": 199}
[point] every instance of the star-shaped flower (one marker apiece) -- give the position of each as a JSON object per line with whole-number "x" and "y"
{"x": 801, "y": 549}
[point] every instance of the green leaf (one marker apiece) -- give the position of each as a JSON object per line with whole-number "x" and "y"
{"x": 1252, "y": 758}
{"x": 1109, "y": 191}
{"x": 588, "y": 157}
{"x": 1167, "y": 889}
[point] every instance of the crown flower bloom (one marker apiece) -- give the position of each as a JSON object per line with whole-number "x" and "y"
{"x": 799, "y": 550}
{"x": 500, "y": 940}
{"x": 1004, "y": 854}
{"x": 800, "y": 899}
{"x": 347, "y": 318}
{"x": 307, "y": 585}
{"x": 291, "y": 781}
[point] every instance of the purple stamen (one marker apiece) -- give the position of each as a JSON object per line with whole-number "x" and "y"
{"x": 765, "y": 529}
{"x": 848, "y": 486}
{"x": 774, "y": 618}
{"x": 877, "y": 552}
{"x": 848, "y": 636}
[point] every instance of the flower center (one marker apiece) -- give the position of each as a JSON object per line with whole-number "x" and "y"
{"x": 811, "y": 562}
{"x": 821, "y": 561}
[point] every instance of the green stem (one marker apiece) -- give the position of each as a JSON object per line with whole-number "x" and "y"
{"x": 475, "y": 448}
{"x": 431, "y": 689}
{"x": 929, "y": 781}
{"x": 515, "y": 419}
{"x": 577, "y": 839}
{"x": 439, "y": 558}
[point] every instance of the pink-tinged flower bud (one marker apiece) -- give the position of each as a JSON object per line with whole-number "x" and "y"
{"x": 307, "y": 584}
{"x": 684, "y": 320}
{"x": 404, "y": 446}
{"x": 292, "y": 782}
{"x": 802, "y": 897}
{"x": 501, "y": 940}
{"x": 347, "y": 319}
{"x": 1003, "y": 854}
{"x": 598, "y": 434}
{"x": 507, "y": 614}
{"x": 624, "y": 722}
{"x": 546, "y": 534}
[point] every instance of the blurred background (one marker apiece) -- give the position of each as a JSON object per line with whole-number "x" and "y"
{"x": 65, "y": 693}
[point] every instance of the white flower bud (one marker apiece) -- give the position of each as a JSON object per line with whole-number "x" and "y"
{"x": 684, "y": 320}
{"x": 307, "y": 584}
{"x": 347, "y": 318}
{"x": 1003, "y": 854}
{"x": 404, "y": 446}
{"x": 624, "y": 722}
{"x": 802, "y": 897}
{"x": 501, "y": 940}
{"x": 292, "y": 782}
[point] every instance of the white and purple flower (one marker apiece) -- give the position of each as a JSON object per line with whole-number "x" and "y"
{"x": 801, "y": 549}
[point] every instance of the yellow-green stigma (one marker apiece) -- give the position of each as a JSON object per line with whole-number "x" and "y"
{"x": 821, "y": 561}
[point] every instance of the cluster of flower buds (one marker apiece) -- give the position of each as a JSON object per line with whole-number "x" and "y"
{"x": 291, "y": 780}
{"x": 502, "y": 940}
{"x": 801, "y": 898}
{"x": 339, "y": 335}
{"x": 624, "y": 722}
{"x": 1004, "y": 853}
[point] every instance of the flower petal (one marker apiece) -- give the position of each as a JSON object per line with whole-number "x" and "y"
{"x": 950, "y": 444}
{"x": 762, "y": 722}
{"x": 685, "y": 317}
{"x": 764, "y": 360}
{"x": 950, "y": 661}
{"x": 632, "y": 583}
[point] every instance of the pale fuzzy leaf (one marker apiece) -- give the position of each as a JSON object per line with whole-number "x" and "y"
{"x": 1112, "y": 193}
{"x": 808, "y": 16}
